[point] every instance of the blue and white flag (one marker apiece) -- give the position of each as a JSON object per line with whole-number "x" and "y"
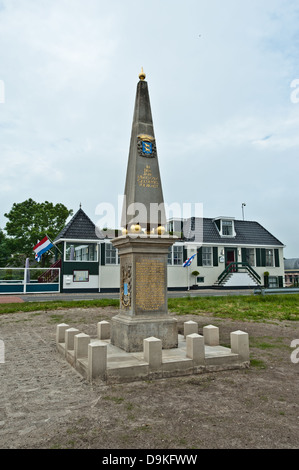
{"x": 189, "y": 261}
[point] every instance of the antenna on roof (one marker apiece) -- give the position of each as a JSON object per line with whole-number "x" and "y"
{"x": 243, "y": 205}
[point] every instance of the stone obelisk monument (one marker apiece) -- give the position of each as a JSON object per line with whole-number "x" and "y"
{"x": 143, "y": 247}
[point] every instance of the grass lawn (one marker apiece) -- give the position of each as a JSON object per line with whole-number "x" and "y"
{"x": 251, "y": 307}
{"x": 56, "y": 305}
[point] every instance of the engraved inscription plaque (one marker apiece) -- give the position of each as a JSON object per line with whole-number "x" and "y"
{"x": 150, "y": 284}
{"x": 147, "y": 180}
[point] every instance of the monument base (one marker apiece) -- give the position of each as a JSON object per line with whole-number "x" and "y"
{"x": 143, "y": 293}
{"x": 128, "y": 333}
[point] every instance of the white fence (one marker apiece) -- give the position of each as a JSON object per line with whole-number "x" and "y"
{"x": 29, "y": 280}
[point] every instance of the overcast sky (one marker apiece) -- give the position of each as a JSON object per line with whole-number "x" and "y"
{"x": 224, "y": 87}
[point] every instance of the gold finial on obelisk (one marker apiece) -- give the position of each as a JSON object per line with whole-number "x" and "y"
{"x": 142, "y": 74}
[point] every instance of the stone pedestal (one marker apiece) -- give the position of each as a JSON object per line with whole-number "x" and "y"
{"x": 143, "y": 293}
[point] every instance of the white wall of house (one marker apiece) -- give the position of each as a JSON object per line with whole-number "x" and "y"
{"x": 180, "y": 277}
{"x": 68, "y": 282}
{"x": 109, "y": 277}
{"x": 177, "y": 275}
{"x": 210, "y": 273}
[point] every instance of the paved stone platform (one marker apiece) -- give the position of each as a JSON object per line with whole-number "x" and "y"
{"x": 98, "y": 359}
{"x": 10, "y": 299}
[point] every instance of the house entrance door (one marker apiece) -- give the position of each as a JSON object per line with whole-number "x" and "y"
{"x": 231, "y": 257}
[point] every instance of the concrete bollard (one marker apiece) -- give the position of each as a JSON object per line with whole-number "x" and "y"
{"x": 190, "y": 327}
{"x": 81, "y": 342}
{"x": 60, "y": 332}
{"x": 211, "y": 335}
{"x": 152, "y": 350}
{"x": 103, "y": 330}
{"x": 70, "y": 338}
{"x": 97, "y": 360}
{"x": 196, "y": 348}
{"x": 239, "y": 341}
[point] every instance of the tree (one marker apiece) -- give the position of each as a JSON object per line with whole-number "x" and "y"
{"x": 4, "y": 249}
{"x": 29, "y": 222}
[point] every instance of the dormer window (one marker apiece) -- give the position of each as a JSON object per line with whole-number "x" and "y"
{"x": 225, "y": 226}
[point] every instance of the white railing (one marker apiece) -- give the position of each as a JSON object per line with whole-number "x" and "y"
{"x": 28, "y": 280}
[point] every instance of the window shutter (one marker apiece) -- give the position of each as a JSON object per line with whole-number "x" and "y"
{"x": 102, "y": 254}
{"x": 199, "y": 256}
{"x": 263, "y": 256}
{"x": 258, "y": 257}
{"x": 280, "y": 281}
{"x": 276, "y": 257}
{"x": 215, "y": 256}
{"x": 185, "y": 254}
{"x": 243, "y": 252}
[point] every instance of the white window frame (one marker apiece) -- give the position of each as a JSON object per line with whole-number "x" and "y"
{"x": 272, "y": 280}
{"x": 227, "y": 223}
{"x": 222, "y": 223}
{"x": 109, "y": 249}
{"x": 205, "y": 252}
{"x": 254, "y": 257}
{"x": 83, "y": 245}
{"x": 268, "y": 250}
{"x": 171, "y": 255}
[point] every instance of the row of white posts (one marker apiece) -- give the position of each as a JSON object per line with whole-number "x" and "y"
{"x": 78, "y": 348}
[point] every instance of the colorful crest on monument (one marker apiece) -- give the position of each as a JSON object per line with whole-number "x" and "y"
{"x": 146, "y": 146}
{"x": 125, "y": 291}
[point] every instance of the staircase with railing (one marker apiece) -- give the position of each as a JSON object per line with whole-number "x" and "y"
{"x": 52, "y": 273}
{"x": 240, "y": 267}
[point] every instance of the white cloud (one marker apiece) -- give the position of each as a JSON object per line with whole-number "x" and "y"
{"x": 220, "y": 102}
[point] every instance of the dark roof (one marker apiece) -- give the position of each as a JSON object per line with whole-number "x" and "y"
{"x": 247, "y": 233}
{"x": 80, "y": 227}
{"x": 292, "y": 263}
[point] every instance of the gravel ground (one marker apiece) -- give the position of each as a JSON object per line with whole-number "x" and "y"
{"x": 46, "y": 404}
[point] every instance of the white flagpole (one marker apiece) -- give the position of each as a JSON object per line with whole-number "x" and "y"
{"x": 188, "y": 274}
{"x": 54, "y": 244}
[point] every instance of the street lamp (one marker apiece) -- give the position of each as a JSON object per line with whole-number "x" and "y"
{"x": 243, "y": 205}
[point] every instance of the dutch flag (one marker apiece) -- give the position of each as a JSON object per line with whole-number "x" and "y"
{"x": 189, "y": 261}
{"x": 41, "y": 247}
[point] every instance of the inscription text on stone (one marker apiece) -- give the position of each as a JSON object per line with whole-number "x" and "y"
{"x": 150, "y": 284}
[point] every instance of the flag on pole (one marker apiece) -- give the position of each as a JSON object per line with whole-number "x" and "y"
{"x": 36, "y": 256}
{"x": 41, "y": 247}
{"x": 189, "y": 261}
